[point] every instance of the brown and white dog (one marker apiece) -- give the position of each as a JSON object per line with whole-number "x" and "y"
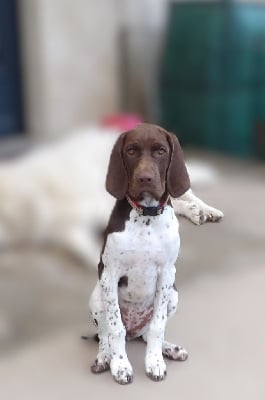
{"x": 135, "y": 294}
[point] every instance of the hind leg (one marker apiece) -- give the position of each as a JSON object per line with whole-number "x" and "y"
{"x": 102, "y": 362}
{"x": 171, "y": 350}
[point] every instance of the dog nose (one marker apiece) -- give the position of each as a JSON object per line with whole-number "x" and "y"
{"x": 145, "y": 178}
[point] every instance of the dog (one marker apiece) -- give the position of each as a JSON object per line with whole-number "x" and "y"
{"x": 135, "y": 294}
{"x": 48, "y": 195}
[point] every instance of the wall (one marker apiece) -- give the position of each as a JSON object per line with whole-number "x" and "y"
{"x": 70, "y": 62}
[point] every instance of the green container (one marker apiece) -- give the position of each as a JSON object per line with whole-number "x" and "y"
{"x": 212, "y": 86}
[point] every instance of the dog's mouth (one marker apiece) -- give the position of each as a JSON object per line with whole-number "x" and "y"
{"x": 149, "y": 198}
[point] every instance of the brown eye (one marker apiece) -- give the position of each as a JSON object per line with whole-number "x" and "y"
{"x": 161, "y": 151}
{"x": 130, "y": 151}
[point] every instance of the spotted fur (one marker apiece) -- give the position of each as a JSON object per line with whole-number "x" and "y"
{"x": 135, "y": 293}
{"x": 145, "y": 253}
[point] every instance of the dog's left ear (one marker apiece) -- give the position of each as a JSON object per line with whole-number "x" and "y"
{"x": 178, "y": 181}
{"x": 117, "y": 179}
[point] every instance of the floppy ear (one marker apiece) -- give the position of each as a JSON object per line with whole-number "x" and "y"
{"x": 178, "y": 181}
{"x": 117, "y": 179}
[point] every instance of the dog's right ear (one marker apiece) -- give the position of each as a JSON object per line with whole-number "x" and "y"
{"x": 117, "y": 178}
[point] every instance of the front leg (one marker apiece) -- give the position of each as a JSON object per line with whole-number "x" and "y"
{"x": 120, "y": 366}
{"x": 154, "y": 362}
{"x": 193, "y": 208}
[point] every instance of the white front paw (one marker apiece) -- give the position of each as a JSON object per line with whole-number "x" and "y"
{"x": 155, "y": 367}
{"x": 213, "y": 215}
{"x": 201, "y": 214}
{"x": 121, "y": 370}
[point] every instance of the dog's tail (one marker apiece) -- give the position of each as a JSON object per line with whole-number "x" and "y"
{"x": 87, "y": 337}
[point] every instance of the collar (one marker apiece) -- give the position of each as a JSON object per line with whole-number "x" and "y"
{"x": 148, "y": 211}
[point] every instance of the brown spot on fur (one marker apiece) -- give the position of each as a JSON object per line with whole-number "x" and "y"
{"x": 139, "y": 321}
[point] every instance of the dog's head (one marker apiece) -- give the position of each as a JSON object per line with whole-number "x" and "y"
{"x": 147, "y": 160}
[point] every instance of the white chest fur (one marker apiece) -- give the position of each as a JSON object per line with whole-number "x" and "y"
{"x": 156, "y": 239}
{"x": 144, "y": 251}
{"x": 147, "y": 245}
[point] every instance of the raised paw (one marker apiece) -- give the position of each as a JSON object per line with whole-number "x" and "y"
{"x": 173, "y": 352}
{"x": 121, "y": 371}
{"x": 213, "y": 215}
{"x": 201, "y": 214}
{"x": 156, "y": 369}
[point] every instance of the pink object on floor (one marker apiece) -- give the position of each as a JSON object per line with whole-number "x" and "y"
{"x": 122, "y": 122}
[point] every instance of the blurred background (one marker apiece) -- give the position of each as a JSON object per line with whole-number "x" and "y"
{"x": 198, "y": 69}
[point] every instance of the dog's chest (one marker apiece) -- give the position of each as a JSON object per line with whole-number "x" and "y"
{"x": 138, "y": 254}
{"x": 146, "y": 244}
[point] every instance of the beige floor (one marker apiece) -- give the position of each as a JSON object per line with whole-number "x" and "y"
{"x": 221, "y": 316}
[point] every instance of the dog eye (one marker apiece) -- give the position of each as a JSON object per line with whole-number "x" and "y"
{"x": 161, "y": 151}
{"x": 130, "y": 151}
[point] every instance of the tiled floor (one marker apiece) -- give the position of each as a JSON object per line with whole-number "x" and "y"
{"x": 221, "y": 316}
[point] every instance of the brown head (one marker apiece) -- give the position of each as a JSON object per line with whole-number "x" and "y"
{"x": 147, "y": 160}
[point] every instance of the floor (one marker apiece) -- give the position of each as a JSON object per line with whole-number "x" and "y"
{"x": 220, "y": 320}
